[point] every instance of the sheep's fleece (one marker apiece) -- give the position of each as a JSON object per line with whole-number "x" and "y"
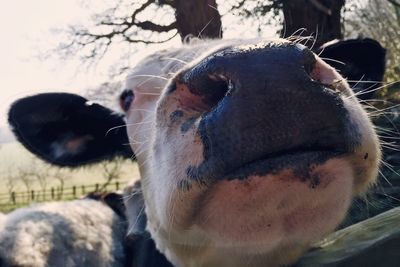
{"x": 62, "y": 234}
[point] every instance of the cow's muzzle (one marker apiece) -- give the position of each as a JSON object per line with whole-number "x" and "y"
{"x": 262, "y": 110}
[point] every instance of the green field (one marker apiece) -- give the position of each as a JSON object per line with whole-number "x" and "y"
{"x": 16, "y": 163}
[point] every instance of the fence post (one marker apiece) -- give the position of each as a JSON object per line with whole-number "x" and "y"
{"x": 116, "y": 185}
{"x": 52, "y": 193}
{"x": 96, "y": 189}
{"x": 83, "y": 190}
{"x": 32, "y": 195}
{"x": 13, "y": 198}
{"x": 74, "y": 191}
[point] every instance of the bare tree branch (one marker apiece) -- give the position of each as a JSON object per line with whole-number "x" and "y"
{"x": 148, "y": 25}
{"x": 129, "y": 39}
{"x": 129, "y": 23}
{"x": 140, "y": 9}
{"x": 91, "y": 44}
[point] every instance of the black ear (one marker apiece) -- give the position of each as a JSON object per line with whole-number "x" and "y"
{"x": 68, "y": 130}
{"x": 112, "y": 199}
{"x": 116, "y": 202}
{"x": 364, "y": 60}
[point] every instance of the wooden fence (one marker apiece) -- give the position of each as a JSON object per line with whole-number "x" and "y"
{"x": 10, "y": 201}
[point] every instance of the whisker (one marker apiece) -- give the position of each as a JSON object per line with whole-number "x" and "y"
{"x": 333, "y": 60}
{"x": 384, "y": 177}
{"x": 130, "y": 195}
{"x": 381, "y": 129}
{"x": 388, "y": 108}
{"x": 148, "y": 75}
{"x": 375, "y": 89}
{"x": 204, "y": 28}
{"x": 358, "y": 82}
{"x": 114, "y": 128}
{"x": 137, "y": 220}
{"x": 146, "y": 110}
{"x": 176, "y": 59}
{"x": 155, "y": 94}
{"x": 139, "y": 123}
{"x": 315, "y": 39}
{"x": 295, "y": 34}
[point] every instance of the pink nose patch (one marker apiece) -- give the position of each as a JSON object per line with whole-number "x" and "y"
{"x": 325, "y": 74}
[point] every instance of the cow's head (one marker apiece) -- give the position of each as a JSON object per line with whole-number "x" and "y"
{"x": 248, "y": 150}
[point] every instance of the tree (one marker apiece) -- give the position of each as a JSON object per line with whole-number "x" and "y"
{"x": 41, "y": 176}
{"x": 322, "y": 18}
{"x": 198, "y": 18}
{"x": 11, "y": 183}
{"x": 112, "y": 171}
{"x": 61, "y": 175}
{"x": 157, "y": 21}
{"x": 139, "y": 23}
{"x": 318, "y": 18}
{"x": 143, "y": 22}
{"x": 27, "y": 180}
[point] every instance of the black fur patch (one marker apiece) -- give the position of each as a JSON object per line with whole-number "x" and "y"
{"x": 68, "y": 130}
{"x": 176, "y": 115}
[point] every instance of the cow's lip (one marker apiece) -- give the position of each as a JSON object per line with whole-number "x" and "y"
{"x": 300, "y": 161}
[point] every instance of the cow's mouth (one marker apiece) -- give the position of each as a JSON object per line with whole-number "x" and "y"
{"x": 254, "y": 156}
{"x": 301, "y": 161}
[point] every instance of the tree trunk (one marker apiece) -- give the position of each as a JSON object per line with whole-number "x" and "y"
{"x": 321, "y": 18}
{"x": 199, "y": 18}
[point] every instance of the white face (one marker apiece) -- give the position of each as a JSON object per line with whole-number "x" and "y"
{"x": 208, "y": 207}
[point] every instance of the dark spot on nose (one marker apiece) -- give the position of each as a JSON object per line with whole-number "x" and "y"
{"x": 176, "y": 115}
{"x": 187, "y": 124}
{"x": 366, "y": 156}
{"x": 315, "y": 181}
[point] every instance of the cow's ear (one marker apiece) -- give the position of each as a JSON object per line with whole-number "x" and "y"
{"x": 68, "y": 130}
{"x": 361, "y": 61}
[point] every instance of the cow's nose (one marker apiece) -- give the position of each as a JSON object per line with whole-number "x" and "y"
{"x": 263, "y": 103}
{"x": 248, "y": 69}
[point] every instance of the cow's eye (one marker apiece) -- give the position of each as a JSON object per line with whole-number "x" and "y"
{"x": 125, "y": 99}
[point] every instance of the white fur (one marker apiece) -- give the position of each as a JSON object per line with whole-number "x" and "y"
{"x": 65, "y": 234}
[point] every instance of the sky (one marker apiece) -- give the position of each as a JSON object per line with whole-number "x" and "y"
{"x": 26, "y": 28}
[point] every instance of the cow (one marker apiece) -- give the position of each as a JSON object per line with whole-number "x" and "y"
{"x": 249, "y": 150}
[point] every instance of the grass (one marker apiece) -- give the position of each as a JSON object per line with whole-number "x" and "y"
{"x": 15, "y": 160}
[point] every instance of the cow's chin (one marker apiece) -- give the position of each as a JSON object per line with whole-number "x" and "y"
{"x": 270, "y": 217}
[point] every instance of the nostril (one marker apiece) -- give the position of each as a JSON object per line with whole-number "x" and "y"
{"x": 212, "y": 89}
{"x": 203, "y": 92}
{"x": 219, "y": 87}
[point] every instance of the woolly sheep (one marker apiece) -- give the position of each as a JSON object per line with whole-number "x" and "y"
{"x": 76, "y": 233}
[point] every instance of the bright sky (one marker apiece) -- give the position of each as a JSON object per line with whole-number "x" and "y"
{"x": 26, "y": 26}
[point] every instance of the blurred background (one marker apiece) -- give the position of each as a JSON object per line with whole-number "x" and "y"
{"x": 87, "y": 47}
